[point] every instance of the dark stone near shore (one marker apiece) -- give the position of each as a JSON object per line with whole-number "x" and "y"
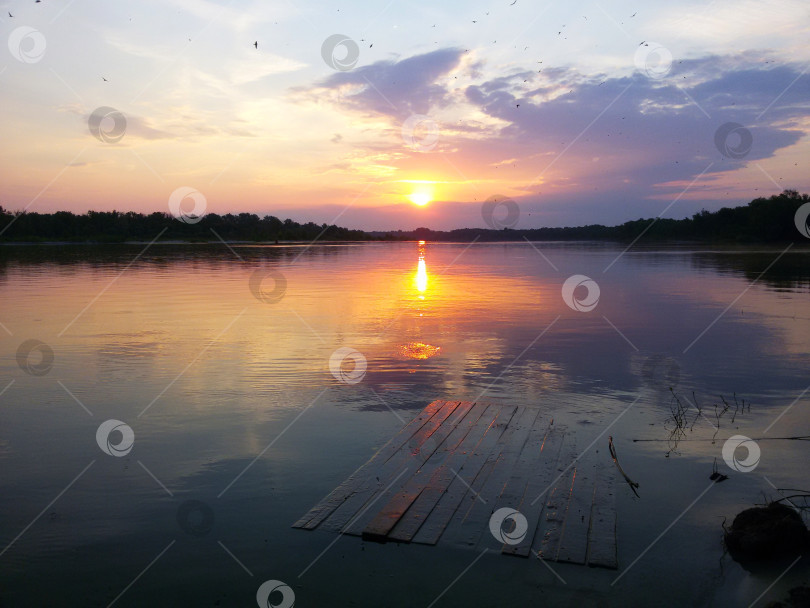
{"x": 799, "y": 597}
{"x": 767, "y": 533}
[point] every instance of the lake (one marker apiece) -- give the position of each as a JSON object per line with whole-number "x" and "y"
{"x": 231, "y": 424}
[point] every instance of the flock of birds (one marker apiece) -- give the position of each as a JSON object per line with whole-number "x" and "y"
{"x": 256, "y": 42}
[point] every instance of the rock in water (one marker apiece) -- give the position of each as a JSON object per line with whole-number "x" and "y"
{"x": 799, "y": 597}
{"x": 764, "y": 533}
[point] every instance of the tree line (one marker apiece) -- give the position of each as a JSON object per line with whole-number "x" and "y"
{"x": 762, "y": 220}
{"x": 119, "y": 227}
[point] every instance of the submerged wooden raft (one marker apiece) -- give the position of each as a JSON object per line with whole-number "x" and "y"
{"x": 441, "y": 478}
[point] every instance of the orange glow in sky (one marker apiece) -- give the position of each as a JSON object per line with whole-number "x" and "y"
{"x": 429, "y": 112}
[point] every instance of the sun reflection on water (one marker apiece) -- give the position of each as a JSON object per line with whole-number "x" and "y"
{"x": 418, "y": 350}
{"x": 421, "y": 271}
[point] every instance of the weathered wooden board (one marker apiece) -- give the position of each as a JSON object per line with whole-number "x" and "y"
{"x": 325, "y": 508}
{"x": 383, "y": 522}
{"x": 441, "y": 478}
{"x": 406, "y": 459}
{"x": 602, "y": 541}
{"x": 463, "y": 482}
{"x": 573, "y": 548}
{"x": 409, "y": 523}
{"x": 476, "y": 521}
{"x": 539, "y": 481}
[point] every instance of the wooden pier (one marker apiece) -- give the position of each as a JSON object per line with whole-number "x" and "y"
{"x": 441, "y": 478}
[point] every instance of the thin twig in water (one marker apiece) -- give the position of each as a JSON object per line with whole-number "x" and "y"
{"x": 633, "y": 485}
{"x": 699, "y": 411}
{"x": 678, "y": 418}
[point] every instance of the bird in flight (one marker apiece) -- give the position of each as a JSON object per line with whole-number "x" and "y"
{"x": 104, "y": 79}
{"x": 256, "y": 44}
{"x": 10, "y": 15}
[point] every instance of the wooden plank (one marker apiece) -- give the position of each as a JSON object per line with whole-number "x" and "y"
{"x": 517, "y": 476}
{"x": 539, "y": 481}
{"x": 574, "y": 542}
{"x": 408, "y": 458}
{"x": 376, "y": 527}
{"x": 407, "y": 526}
{"x": 602, "y": 534}
{"x": 556, "y": 507}
{"x": 464, "y": 478}
{"x": 325, "y": 507}
{"x": 454, "y": 464}
{"x": 477, "y": 518}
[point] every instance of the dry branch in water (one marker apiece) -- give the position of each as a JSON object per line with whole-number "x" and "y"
{"x": 633, "y": 485}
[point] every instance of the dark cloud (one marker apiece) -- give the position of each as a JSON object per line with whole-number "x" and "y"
{"x": 397, "y": 88}
{"x": 663, "y": 129}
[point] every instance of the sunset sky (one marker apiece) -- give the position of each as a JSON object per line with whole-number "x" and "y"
{"x": 582, "y": 112}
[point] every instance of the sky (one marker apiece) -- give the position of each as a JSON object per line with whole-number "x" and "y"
{"x": 404, "y": 114}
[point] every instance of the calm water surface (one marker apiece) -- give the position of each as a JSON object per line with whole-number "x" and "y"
{"x": 232, "y": 403}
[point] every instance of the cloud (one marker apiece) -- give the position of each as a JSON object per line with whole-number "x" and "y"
{"x": 633, "y": 129}
{"x": 748, "y": 22}
{"x": 395, "y": 89}
{"x": 140, "y": 127}
{"x": 590, "y": 148}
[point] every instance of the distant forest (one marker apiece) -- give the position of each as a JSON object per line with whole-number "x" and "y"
{"x": 762, "y": 220}
{"x": 119, "y": 227}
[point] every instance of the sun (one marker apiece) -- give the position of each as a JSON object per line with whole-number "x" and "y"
{"x": 420, "y": 198}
